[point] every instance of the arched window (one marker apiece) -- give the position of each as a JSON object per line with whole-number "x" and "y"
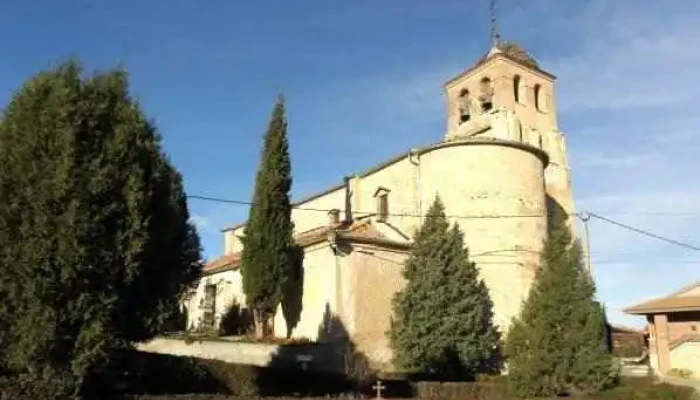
{"x": 463, "y": 106}
{"x": 382, "y": 198}
{"x": 538, "y": 90}
{"x": 516, "y": 88}
{"x": 486, "y": 95}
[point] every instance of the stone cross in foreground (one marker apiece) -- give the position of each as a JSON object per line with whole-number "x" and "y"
{"x": 379, "y": 388}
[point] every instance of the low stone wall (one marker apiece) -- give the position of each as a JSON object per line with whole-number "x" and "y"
{"x": 312, "y": 355}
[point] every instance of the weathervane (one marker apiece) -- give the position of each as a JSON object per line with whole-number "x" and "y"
{"x": 495, "y": 36}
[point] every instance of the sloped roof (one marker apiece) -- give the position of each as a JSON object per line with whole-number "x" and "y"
{"x": 510, "y": 51}
{"x": 358, "y": 231}
{"x": 675, "y": 302}
{"x": 626, "y": 329}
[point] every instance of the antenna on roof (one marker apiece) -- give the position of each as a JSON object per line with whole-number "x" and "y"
{"x": 495, "y": 36}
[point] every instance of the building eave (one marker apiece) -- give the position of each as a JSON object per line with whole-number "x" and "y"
{"x": 485, "y": 61}
{"x": 659, "y": 310}
{"x": 541, "y": 154}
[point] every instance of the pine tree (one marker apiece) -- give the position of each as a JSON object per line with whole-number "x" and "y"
{"x": 267, "y": 253}
{"x": 96, "y": 243}
{"x": 443, "y": 317}
{"x": 558, "y": 345}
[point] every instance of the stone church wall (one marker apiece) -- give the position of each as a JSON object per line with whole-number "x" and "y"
{"x": 229, "y": 289}
{"x": 319, "y": 294}
{"x": 496, "y": 195}
{"x": 376, "y": 277}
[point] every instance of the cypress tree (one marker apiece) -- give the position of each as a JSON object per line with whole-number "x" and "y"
{"x": 95, "y": 240}
{"x": 443, "y": 318}
{"x": 266, "y": 261}
{"x": 558, "y": 344}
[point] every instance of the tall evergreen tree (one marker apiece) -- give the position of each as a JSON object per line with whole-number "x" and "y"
{"x": 558, "y": 343}
{"x": 95, "y": 239}
{"x": 443, "y": 318}
{"x": 266, "y": 261}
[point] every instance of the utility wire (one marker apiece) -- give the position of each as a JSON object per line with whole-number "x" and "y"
{"x": 492, "y": 216}
{"x": 643, "y": 232}
{"x": 248, "y": 203}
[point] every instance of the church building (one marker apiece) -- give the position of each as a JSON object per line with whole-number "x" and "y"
{"x": 499, "y": 168}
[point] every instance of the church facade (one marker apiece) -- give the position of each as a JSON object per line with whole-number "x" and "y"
{"x": 500, "y": 166}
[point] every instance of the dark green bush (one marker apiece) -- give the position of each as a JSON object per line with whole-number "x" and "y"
{"x": 646, "y": 389}
{"x": 136, "y": 372}
{"x": 141, "y": 373}
{"x": 236, "y": 321}
{"x": 45, "y": 384}
{"x": 220, "y": 397}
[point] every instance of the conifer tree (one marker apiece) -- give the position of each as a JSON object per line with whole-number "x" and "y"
{"x": 267, "y": 253}
{"x": 95, "y": 240}
{"x": 443, "y": 318}
{"x": 558, "y": 344}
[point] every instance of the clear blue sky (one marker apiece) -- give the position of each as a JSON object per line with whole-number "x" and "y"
{"x": 363, "y": 83}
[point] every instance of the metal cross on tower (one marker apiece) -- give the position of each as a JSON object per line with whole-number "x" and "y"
{"x": 495, "y": 36}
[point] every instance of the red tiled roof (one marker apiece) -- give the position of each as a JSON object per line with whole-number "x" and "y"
{"x": 362, "y": 230}
{"x": 626, "y": 329}
{"x": 222, "y": 263}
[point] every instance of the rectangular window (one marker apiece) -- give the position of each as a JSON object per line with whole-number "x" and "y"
{"x": 209, "y": 306}
{"x": 383, "y": 207}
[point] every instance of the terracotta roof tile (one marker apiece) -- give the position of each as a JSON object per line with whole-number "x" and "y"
{"x": 626, "y": 329}
{"x": 222, "y": 263}
{"x": 353, "y": 231}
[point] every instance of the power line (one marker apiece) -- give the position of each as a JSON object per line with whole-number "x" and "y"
{"x": 655, "y": 213}
{"x": 248, "y": 203}
{"x": 643, "y": 232}
{"x": 486, "y": 216}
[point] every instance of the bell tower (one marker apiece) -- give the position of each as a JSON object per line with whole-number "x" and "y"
{"x": 506, "y": 95}
{"x": 505, "y": 79}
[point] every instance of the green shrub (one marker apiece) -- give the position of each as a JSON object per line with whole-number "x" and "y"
{"x": 240, "y": 380}
{"x": 557, "y": 345}
{"x": 647, "y": 389}
{"x": 45, "y": 384}
{"x": 133, "y": 372}
{"x": 443, "y": 317}
{"x": 159, "y": 374}
{"x": 236, "y": 321}
{"x": 97, "y": 242}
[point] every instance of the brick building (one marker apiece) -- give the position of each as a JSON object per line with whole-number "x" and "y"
{"x": 674, "y": 330}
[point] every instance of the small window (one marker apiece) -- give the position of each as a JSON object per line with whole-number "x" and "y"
{"x": 209, "y": 307}
{"x": 538, "y": 90}
{"x": 209, "y": 296}
{"x": 486, "y": 95}
{"x": 382, "y": 196}
{"x": 383, "y": 206}
{"x": 516, "y": 88}
{"x": 463, "y": 106}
